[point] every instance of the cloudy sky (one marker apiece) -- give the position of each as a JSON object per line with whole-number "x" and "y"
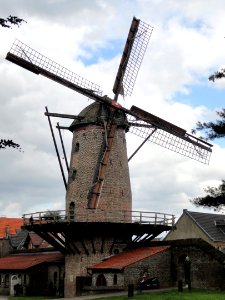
{"x": 87, "y": 37}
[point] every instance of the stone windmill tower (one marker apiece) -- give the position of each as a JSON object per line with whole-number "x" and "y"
{"x": 105, "y": 186}
{"x": 99, "y": 220}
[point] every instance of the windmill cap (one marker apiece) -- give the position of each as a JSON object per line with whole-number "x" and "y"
{"x": 98, "y": 113}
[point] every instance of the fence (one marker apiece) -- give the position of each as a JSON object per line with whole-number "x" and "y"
{"x": 140, "y": 217}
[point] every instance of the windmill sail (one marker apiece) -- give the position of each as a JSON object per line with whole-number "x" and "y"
{"x": 167, "y": 135}
{"x": 134, "y": 50}
{"x": 141, "y": 122}
{"x": 32, "y": 60}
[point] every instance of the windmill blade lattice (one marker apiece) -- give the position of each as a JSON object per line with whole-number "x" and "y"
{"x": 37, "y": 63}
{"x": 135, "y": 47}
{"x": 186, "y": 145}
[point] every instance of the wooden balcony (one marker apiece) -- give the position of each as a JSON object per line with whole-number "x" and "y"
{"x": 138, "y": 217}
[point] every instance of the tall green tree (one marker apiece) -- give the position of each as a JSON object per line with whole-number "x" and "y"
{"x": 215, "y": 196}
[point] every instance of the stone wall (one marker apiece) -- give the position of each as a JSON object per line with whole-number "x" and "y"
{"x": 206, "y": 267}
{"x": 158, "y": 265}
{"x": 5, "y": 247}
{"x": 77, "y": 265}
{"x": 206, "y": 264}
{"x": 85, "y": 157}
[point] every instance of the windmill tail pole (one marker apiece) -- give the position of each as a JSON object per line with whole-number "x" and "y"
{"x": 63, "y": 147}
{"x": 56, "y": 149}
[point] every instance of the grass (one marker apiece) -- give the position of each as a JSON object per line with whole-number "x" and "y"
{"x": 163, "y": 295}
{"x": 174, "y": 295}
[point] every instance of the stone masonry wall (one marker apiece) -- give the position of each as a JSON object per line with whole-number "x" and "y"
{"x": 157, "y": 265}
{"x": 116, "y": 191}
{"x": 77, "y": 265}
{"x": 205, "y": 270}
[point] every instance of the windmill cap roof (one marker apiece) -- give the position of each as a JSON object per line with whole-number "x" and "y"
{"x": 97, "y": 113}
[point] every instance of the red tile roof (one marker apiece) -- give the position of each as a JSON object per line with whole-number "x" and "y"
{"x": 127, "y": 258}
{"x": 12, "y": 224}
{"x": 25, "y": 261}
{"x": 37, "y": 242}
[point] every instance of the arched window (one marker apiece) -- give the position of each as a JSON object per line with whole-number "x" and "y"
{"x": 115, "y": 279}
{"x": 101, "y": 281}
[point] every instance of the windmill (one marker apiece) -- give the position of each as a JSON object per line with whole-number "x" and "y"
{"x": 98, "y": 188}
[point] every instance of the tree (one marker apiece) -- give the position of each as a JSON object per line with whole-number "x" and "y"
{"x": 213, "y": 130}
{"x": 215, "y": 197}
{"x": 9, "y": 143}
{"x": 11, "y": 20}
{"x": 217, "y": 75}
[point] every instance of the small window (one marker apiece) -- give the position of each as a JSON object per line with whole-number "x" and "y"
{"x": 74, "y": 173}
{"x": 71, "y": 211}
{"x": 77, "y": 147}
{"x": 116, "y": 251}
{"x": 115, "y": 279}
{"x": 71, "y": 208}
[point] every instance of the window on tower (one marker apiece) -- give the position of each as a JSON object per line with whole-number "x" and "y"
{"x": 74, "y": 173}
{"x": 71, "y": 211}
{"x": 77, "y": 147}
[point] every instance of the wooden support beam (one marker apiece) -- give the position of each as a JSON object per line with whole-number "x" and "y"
{"x": 93, "y": 246}
{"x": 65, "y": 116}
{"x": 102, "y": 245}
{"x": 113, "y": 243}
{"x": 84, "y": 246}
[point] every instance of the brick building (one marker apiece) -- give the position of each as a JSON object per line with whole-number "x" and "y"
{"x": 32, "y": 274}
{"x": 165, "y": 260}
{"x": 30, "y": 271}
{"x": 130, "y": 267}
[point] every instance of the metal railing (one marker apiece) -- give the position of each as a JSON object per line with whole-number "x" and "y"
{"x": 140, "y": 217}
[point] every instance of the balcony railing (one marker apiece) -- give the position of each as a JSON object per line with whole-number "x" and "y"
{"x": 140, "y": 217}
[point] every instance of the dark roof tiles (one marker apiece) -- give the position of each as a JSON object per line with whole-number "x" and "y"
{"x": 17, "y": 241}
{"x": 206, "y": 222}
